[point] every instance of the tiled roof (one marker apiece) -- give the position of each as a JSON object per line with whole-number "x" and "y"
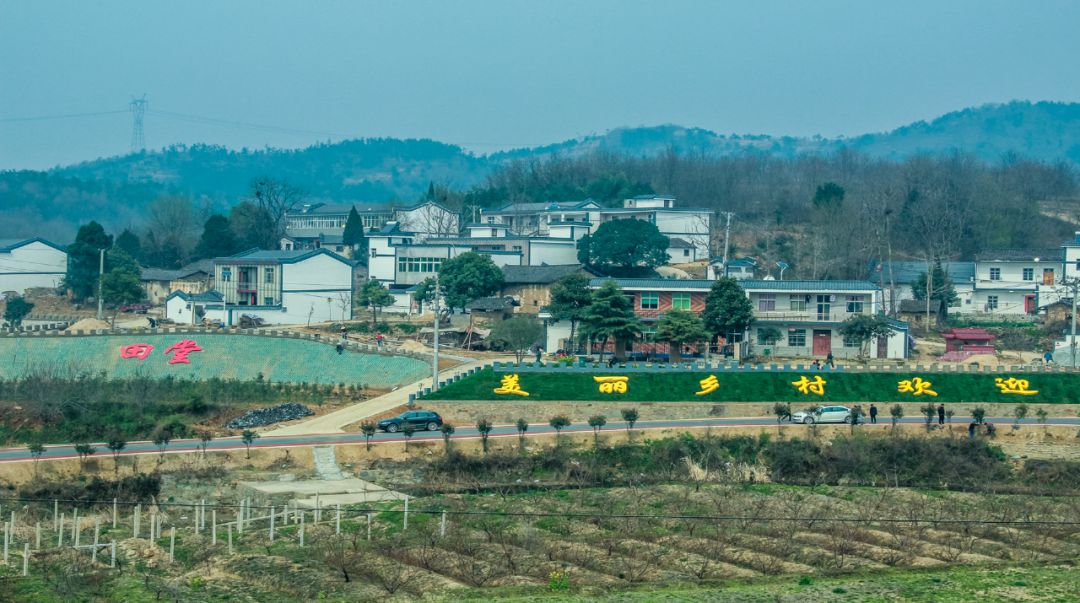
{"x": 159, "y": 274}
{"x": 491, "y": 304}
{"x": 280, "y": 256}
{"x": 677, "y": 243}
{"x": 756, "y": 285}
{"x": 1019, "y": 255}
{"x": 343, "y": 208}
{"x": 537, "y": 275}
{"x": 7, "y": 245}
{"x": 906, "y": 273}
{"x": 205, "y": 296}
{"x": 539, "y": 207}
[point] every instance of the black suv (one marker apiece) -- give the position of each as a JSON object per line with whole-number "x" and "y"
{"x": 419, "y": 419}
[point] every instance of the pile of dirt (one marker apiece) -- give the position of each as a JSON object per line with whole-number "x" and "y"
{"x": 88, "y": 324}
{"x": 412, "y": 345}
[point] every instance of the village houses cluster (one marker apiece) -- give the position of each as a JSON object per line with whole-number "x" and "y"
{"x": 313, "y": 276}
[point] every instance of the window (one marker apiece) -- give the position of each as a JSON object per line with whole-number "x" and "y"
{"x": 226, "y": 275}
{"x": 490, "y": 220}
{"x": 680, "y": 301}
{"x": 855, "y": 304}
{"x": 268, "y": 301}
{"x": 686, "y": 253}
{"x": 650, "y": 301}
{"x": 991, "y": 302}
{"x": 852, "y": 343}
{"x": 796, "y": 338}
{"x": 419, "y": 264}
{"x": 517, "y": 247}
{"x": 494, "y": 232}
{"x": 766, "y": 302}
{"x": 798, "y": 303}
{"x": 995, "y": 274}
{"x": 268, "y": 275}
{"x": 763, "y": 337}
{"x": 1029, "y": 274}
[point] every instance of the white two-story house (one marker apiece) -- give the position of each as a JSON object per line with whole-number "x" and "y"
{"x": 280, "y": 287}
{"x": 1017, "y": 281}
{"x": 792, "y": 319}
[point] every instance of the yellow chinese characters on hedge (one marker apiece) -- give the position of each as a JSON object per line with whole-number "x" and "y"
{"x": 612, "y": 385}
{"x": 916, "y": 387}
{"x": 511, "y": 384}
{"x": 708, "y": 386}
{"x": 1012, "y": 385}
{"x": 810, "y": 386}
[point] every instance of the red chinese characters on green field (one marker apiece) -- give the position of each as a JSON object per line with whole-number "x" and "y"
{"x": 179, "y": 350}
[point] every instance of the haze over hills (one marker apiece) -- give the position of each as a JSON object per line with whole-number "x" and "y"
{"x": 114, "y": 189}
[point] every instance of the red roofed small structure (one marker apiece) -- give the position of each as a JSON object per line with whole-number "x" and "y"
{"x": 962, "y": 343}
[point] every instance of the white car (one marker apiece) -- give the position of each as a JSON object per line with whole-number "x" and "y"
{"x": 823, "y": 414}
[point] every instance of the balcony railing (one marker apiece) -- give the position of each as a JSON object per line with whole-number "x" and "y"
{"x": 833, "y": 315}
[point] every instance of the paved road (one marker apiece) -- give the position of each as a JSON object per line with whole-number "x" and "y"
{"x": 334, "y": 422}
{"x": 64, "y": 451}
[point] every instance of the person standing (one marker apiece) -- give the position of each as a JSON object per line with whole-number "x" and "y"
{"x": 379, "y": 339}
{"x": 873, "y": 414}
{"x": 941, "y": 414}
{"x": 830, "y": 361}
{"x": 971, "y": 430}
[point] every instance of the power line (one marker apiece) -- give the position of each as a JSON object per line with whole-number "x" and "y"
{"x": 60, "y": 116}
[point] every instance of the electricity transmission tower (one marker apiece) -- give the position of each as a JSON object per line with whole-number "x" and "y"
{"x": 138, "y": 111}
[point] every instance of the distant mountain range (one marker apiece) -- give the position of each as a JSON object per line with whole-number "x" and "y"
{"x": 387, "y": 169}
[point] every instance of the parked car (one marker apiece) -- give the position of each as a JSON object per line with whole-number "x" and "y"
{"x": 135, "y": 308}
{"x": 823, "y": 414}
{"x": 419, "y": 419}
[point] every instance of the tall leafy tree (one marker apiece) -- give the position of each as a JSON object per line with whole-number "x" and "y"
{"x": 624, "y": 248}
{"x": 467, "y": 277}
{"x": 519, "y": 333}
{"x": 353, "y": 236}
{"x": 253, "y": 226}
{"x": 940, "y": 287}
{"x": 83, "y": 258}
{"x": 679, "y": 328}
{"x": 727, "y": 309}
{"x": 610, "y": 315}
{"x": 373, "y": 295}
{"x": 425, "y": 291}
{"x": 863, "y": 328}
{"x": 570, "y": 296}
{"x": 129, "y": 243}
{"x": 121, "y": 284}
{"x": 218, "y": 238}
{"x": 16, "y": 309}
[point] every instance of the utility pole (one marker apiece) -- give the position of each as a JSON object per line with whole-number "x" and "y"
{"x": 138, "y": 111}
{"x": 1075, "y": 285}
{"x": 101, "y": 276}
{"x": 727, "y": 238}
{"x": 435, "y": 339}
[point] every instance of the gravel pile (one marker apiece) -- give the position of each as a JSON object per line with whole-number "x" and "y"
{"x": 268, "y": 416}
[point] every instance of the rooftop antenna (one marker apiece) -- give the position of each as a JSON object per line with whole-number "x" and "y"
{"x": 138, "y": 111}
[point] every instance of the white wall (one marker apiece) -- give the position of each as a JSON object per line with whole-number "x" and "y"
{"x": 692, "y": 227}
{"x": 552, "y": 252}
{"x": 179, "y": 311}
{"x": 1012, "y": 273}
{"x": 32, "y": 265}
{"x": 306, "y": 288}
{"x": 428, "y": 219}
{"x": 381, "y": 259}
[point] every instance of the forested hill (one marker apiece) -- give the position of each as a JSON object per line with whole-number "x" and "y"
{"x": 114, "y": 190}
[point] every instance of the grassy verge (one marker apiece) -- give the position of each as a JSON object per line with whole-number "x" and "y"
{"x": 1023, "y": 583}
{"x": 765, "y": 386}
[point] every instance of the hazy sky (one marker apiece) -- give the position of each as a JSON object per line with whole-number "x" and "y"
{"x": 499, "y": 74}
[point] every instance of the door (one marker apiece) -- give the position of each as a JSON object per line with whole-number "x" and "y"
{"x": 822, "y": 342}
{"x": 883, "y": 347}
{"x": 1029, "y": 304}
{"x": 1048, "y": 276}
{"x": 824, "y": 307}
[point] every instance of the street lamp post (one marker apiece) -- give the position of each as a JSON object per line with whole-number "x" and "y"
{"x": 435, "y": 339}
{"x": 101, "y": 275}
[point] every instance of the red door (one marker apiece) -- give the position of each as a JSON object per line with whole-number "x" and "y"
{"x": 1029, "y": 304}
{"x": 822, "y": 343}
{"x": 883, "y": 347}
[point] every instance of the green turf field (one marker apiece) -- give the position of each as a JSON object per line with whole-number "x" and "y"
{"x": 239, "y": 357}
